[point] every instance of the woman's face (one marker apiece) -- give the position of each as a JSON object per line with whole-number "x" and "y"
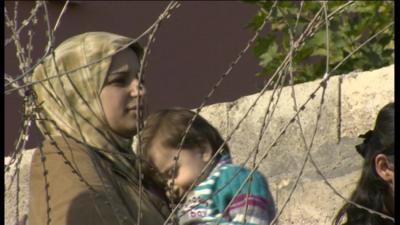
{"x": 120, "y": 92}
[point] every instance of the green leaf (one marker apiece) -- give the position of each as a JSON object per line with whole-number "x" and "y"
{"x": 391, "y": 44}
{"x": 320, "y": 51}
{"x": 303, "y": 53}
{"x": 262, "y": 45}
{"x": 278, "y": 26}
{"x": 319, "y": 38}
{"x": 269, "y": 55}
{"x": 257, "y": 21}
{"x": 385, "y": 40}
{"x": 267, "y": 5}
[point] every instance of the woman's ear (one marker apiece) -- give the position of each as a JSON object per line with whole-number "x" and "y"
{"x": 207, "y": 152}
{"x": 384, "y": 168}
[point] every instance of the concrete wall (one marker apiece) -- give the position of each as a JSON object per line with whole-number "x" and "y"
{"x": 313, "y": 202}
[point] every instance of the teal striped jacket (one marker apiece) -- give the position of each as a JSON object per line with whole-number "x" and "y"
{"x": 218, "y": 199}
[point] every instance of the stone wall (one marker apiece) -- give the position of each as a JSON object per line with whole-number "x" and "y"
{"x": 313, "y": 202}
{"x": 350, "y": 107}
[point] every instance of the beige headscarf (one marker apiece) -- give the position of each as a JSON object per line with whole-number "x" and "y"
{"x": 72, "y": 102}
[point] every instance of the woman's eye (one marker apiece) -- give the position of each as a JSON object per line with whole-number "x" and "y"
{"x": 118, "y": 81}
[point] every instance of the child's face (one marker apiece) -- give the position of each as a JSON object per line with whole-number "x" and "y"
{"x": 190, "y": 164}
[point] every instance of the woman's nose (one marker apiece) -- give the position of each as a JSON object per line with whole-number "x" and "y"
{"x": 137, "y": 89}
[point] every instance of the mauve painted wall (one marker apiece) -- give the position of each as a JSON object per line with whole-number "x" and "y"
{"x": 192, "y": 50}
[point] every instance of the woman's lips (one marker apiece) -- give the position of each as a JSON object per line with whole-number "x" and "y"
{"x": 135, "y": 108}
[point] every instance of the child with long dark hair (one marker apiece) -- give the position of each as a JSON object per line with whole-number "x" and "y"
{"x": 375, "y": 189}
{"x": 220, "y": 182}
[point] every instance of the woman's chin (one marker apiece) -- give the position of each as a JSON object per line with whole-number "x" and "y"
{"x": 127, "y": 132}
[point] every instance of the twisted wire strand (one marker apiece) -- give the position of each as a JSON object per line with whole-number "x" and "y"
{"x": 315, "y": 165}
{"x": 325, "y": 79}
{"x": 25, "y": 22}
{"x": 308, "y": 148}
{"x": 283, "y": 64}
{"x": 256, "y": 167}
{"x": 263, "y": 130}
{"x": 312, "y": 96}
{"x": 241, "y": 166}
{"x": 302, "y": 108}
{"x": 217, "y": 84}
{"x": 305, "y": 142}
{"x": 300, "y": 173}
{"x": 261, "y": 134}
{"x": 163, "y": 14}
{"x": 50, "y": 47}
{"x": 255, "y": 149}
{"x": 22, "y": 133}
{"x": 27, "y": 99}
{"x": 51, "y": 36}
{"x": 63, "y": 10}
{"x": 304, "y": 162}
{"x": 77, "y": 173}
{"x": 27, "y": 110}
{"x": 46, "y": 185}
{"x": 20, "y": 143}
{"x": 283, "y": 130}
{"x": 18, "y": 190}
{"x": 61, "y": 152}
{"x": 143, "y": 63}
{"x": 67, "y": 162}
{"x": 74, "y": 170}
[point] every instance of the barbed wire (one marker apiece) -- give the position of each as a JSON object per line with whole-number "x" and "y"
{"x": 325, "y": 79}
{"x": 49, "y": 48}
{"x": 285, "y": 65}
{"x": 143, "y": 64}
{"x": 63, "y": 10}
{"x": 19, "y": 77}
{"x": 32, "y": 18}
{"x": 24, "y": 63}
{"x": 313, "y": 162}
{"x": 303, "y": 135}
{"x": 242, "y": 165}
{"x": 27, "y": 122}
{"x": 238, "y": 171}
{"x": 308, "y": 148}
{"x": 255, "y": 148}
{"x": 216, "y": 85}
{"x": 46, "y": 185}
{"x": 302, "y": 108}
{"x": 263, "y": 130}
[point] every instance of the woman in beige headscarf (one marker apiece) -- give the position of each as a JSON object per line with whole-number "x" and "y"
{"x": 85, "y": 171}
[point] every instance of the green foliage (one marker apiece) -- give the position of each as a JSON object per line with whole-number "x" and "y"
{"x": 348, "y": 29}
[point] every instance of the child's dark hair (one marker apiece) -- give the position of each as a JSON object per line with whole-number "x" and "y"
{"x": 171, "y": 124}
{"x": 372, "y": 191}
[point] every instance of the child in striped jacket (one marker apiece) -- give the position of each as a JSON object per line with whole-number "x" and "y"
{"x": 217, "y": 190}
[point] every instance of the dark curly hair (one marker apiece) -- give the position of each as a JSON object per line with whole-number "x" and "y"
{"x": 372, "y": 191}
